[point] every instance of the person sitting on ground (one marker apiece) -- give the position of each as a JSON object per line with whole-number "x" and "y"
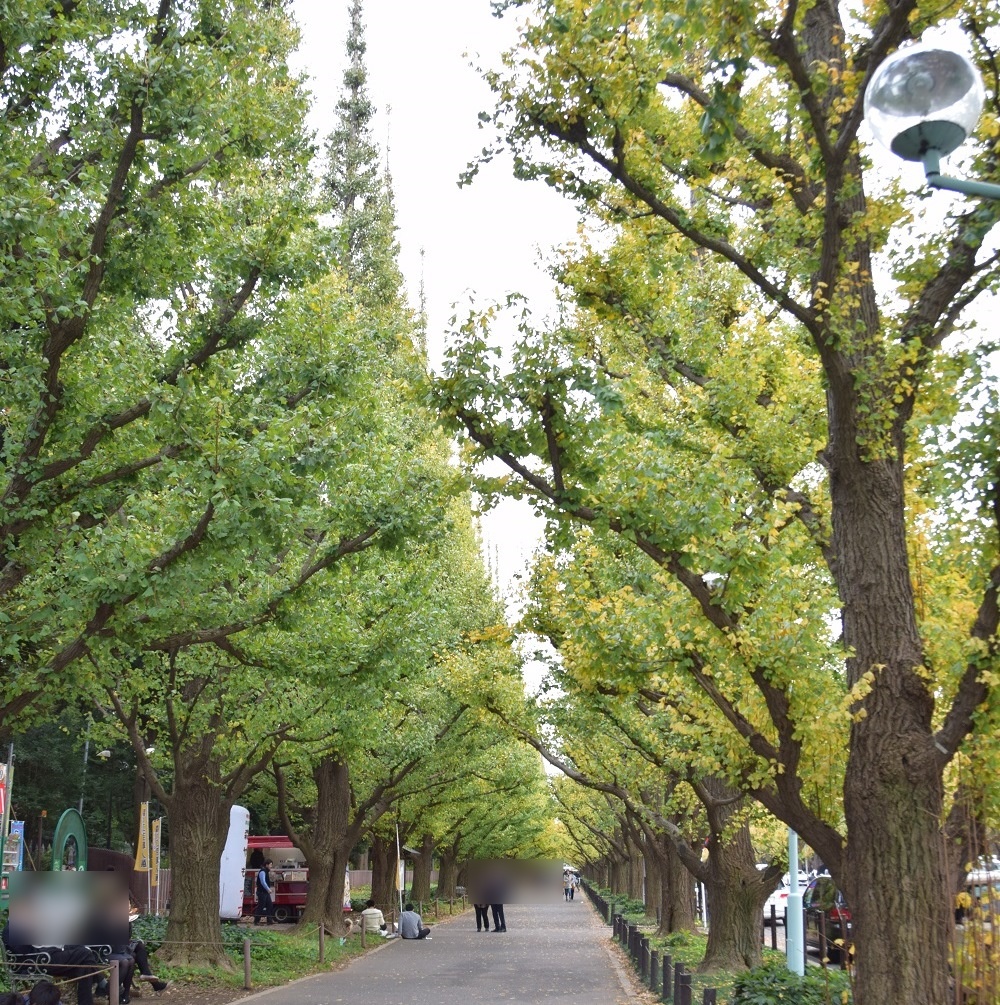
{"x": 138, "y": 950}
{"x": 411, "y": 925}
{"x": 44, "y": 993}
{"x": 373, "y": 919}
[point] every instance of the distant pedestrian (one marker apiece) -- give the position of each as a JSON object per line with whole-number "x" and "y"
{"x": 265, "y": 898}
{"x": 568, "y": 885}
{"x": 482, "y": 917}
{"x": 411, "y": 925}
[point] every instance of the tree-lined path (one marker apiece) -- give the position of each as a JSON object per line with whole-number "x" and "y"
{"x": 550, "y": 953}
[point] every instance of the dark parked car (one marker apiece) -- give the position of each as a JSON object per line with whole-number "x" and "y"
{"x": 828, "y": 919}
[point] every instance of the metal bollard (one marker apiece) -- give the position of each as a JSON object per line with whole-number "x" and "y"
{"x": 246, "y": 965}
{"x": 678, "y": 974}
{"x": 654, "y": 969}
{"x": 114, "y": 982}
{"x": 322, "y": 943}
{"x": 709, "y": 998}
{"x": 667, "y": 975}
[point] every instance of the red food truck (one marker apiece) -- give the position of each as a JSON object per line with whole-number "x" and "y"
{"x": 290, "y": 874}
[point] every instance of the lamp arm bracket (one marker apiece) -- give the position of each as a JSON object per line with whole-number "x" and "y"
{"x": 932, "y": 169}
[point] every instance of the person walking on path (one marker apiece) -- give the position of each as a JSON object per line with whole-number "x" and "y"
{"x": 411, "y": 925}
{"x": 482, "y": 917}
{"x": 265, "y": 901}
{"x": 568, "y": 885}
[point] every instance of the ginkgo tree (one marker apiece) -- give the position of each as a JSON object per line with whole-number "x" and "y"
{"x": 158, "y": 208}
{"x": 754, "y": 396}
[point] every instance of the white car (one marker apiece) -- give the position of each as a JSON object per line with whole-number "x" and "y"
{"x": 779, "y": 898}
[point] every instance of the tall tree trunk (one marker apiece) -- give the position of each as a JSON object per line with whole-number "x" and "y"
{"x": 198, "y": 817}
{"x": 327, "y": 843}
{"x": 618, "y": 868}
{"x": 736, "y": 889}
{"x": 676, "y": 891}
{"x": 422, "y": 867}
{"x": 336, "y": 887}
{"x": 447, "y": 873}
{"x": 651, "y": 861}
{"x": 635, "y": 872}
{"x": 966, "y": 835}
{"x": 382, "y": 853}
{"x": 893, "y": 870}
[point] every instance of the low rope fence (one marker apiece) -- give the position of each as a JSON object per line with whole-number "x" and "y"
{"x": 16, "y": 974}
{"x": 40, "y": 970}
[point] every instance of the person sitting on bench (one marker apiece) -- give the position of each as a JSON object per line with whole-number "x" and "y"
{"x": 69, "y": 963}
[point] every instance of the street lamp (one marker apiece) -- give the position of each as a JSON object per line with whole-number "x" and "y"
{"x": 922, "y": 103}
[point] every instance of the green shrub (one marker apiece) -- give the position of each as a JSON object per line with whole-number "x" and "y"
{"x": 775, "y": 984}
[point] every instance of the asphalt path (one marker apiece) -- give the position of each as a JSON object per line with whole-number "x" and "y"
{"x": 556, "y": 952}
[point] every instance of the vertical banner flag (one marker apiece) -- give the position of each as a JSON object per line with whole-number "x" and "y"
{"x": 142, "y": 849}
{"x": 154, "y": 861}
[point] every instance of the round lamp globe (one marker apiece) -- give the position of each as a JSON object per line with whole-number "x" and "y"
{"x": 924, "y": 97}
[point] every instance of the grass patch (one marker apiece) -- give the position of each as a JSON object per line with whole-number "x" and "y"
{"x": 689, "y": 948}
{"x": 275, "y": 957}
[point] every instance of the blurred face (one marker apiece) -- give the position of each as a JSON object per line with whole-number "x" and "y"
{"x": 67, "y": 908}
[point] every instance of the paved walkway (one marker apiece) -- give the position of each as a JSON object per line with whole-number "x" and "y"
{"x": 550, "y": 953}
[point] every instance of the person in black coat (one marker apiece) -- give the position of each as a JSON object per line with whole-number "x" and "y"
{"x": 69, "y": 963}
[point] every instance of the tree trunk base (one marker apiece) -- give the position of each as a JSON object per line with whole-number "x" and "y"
{"x": 197, "y": 957}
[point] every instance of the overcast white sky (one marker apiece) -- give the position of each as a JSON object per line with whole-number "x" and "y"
{"x": 483, "y": 240}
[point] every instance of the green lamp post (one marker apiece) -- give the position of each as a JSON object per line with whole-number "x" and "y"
{"x": 922, "y": 103}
